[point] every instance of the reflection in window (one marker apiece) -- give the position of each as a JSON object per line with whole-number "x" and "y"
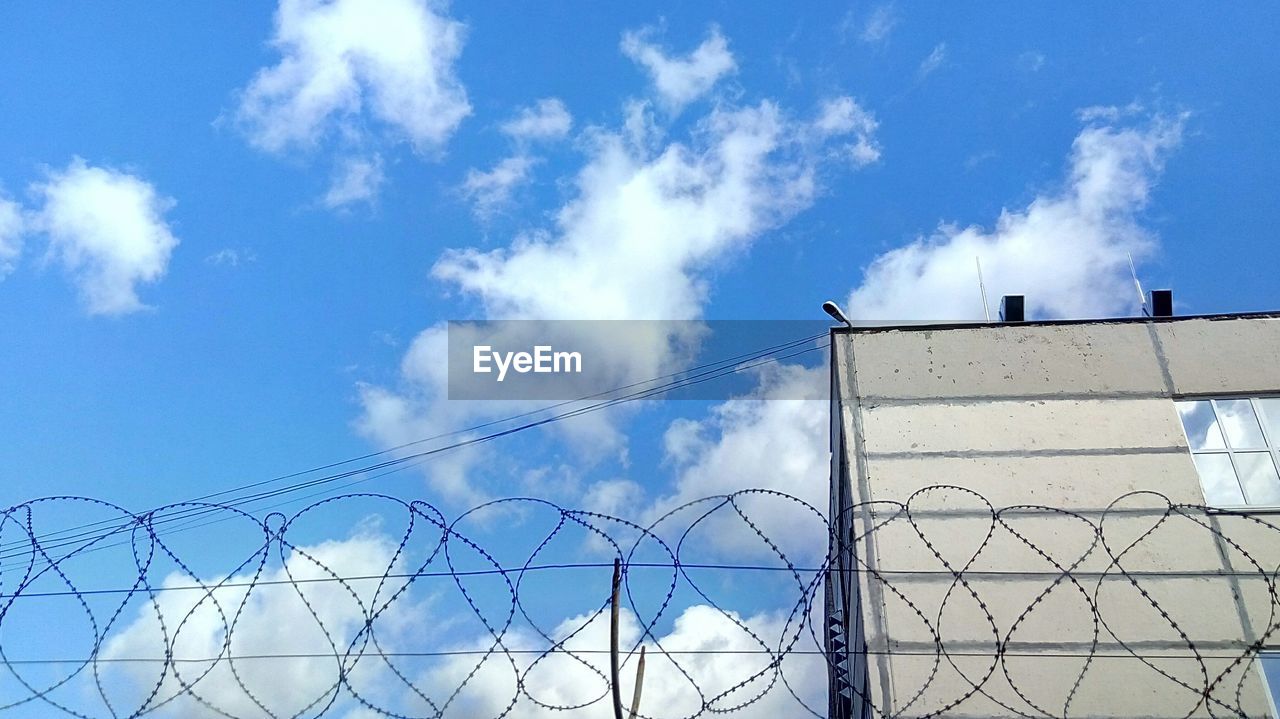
{"x": 1218, "y": 478}
{"x": 1258, "y": 476}
{"x": 1240, "y": 423}
{"x": 1270, "y": 408}
{"x": 1201, "y": 425}
{"x": 1235, "y": 442}
{"x": 1271, "y": 675}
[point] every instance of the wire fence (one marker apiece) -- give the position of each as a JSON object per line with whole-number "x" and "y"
{"x": 1139, "y": 607}
{"x": 750, "y": 604}
{"x": 501, "y": 610}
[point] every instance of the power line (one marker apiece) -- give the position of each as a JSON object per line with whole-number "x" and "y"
{"x": 746, "y": 356}
{"x": 780, "y": 654}
{"x": 709, "y": 371}
{"x": 392, "y": 655}
{"x": 973, "y": 575}
{"x": 215, "y": 586}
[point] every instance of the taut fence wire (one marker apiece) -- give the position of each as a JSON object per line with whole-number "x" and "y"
{"x": 751, "y": 604}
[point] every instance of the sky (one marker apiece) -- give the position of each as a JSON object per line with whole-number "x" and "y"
{"x": 230, "y": 238}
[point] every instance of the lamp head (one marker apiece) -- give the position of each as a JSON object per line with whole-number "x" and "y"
{"x": 836, "y": 313}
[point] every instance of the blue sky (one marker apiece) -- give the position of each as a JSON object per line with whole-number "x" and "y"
{"x": 250, "y": 366}
{"x": 229, "y": 236}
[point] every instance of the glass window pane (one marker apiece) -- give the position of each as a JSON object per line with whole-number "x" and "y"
{"x": 1258, "y": 475}
{"x": 1219, "y": 480}
{"x": 1239, "y": 424}
{"x": 1270, "y": 408}
{"x": 1271, "y": 670}
{"x": 1201, "y": 427}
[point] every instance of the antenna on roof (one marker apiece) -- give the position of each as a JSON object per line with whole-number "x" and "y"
{"x": 986, "y": 311}
{"x": 1142, "y": 296}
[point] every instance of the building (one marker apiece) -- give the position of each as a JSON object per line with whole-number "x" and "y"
{"x": 1062, "y": 519}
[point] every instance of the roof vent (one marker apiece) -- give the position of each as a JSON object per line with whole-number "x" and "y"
{"x": 1161, "y": 303}
{"x": 1011, "y": 309}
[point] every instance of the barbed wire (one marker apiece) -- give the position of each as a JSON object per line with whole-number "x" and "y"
{"x": 1118, "y": 591}
{"x": 205, "y": 628}
{"x": 958, "y": 608}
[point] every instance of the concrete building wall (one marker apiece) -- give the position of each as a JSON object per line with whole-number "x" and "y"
{"x": 1086, "y": 602}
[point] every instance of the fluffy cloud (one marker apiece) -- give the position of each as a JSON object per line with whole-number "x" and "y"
{"x": 775, "y": 438}
{"x": 394, "y": 417}
{"x": 107, "y": 229}
{"x": 758, "y": 440}
{"x": 548, "y": 119}
{"x": 843, "y": 116}
{"x": 295, "y": 611}
{"x": 391, "y": 59}
{"x": 11, "y": 226}
{"x": 721, "y": 657}
{"x": 649, "y": 218}
{"x": 489, "y": 191}
{"x": 711, "y": 652}
{"x": 351, "y": 65}
{"x": 1066, "y": 250}
{"x": 681, "y": 80}
{"x": 646, "y": 222}
{"x": 357, "y": 179}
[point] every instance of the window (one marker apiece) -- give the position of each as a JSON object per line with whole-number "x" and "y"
{"x": 1235, "y": 442}
{"x": 1270, "y": 661}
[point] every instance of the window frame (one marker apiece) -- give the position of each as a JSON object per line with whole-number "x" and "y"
{"x": 1271, "y": 445}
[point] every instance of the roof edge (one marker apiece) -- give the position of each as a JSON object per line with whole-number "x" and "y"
{"x": 934, "y": 326}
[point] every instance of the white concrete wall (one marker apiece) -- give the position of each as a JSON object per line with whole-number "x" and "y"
{"x": 1072, "y": 417}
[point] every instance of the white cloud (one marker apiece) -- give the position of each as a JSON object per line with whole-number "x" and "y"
{"x": 1109, "y": 113}
{"x": 361, "y": 74}
{"x": 489, "y": 191}
{"x": 715, "y": 652}
{"x": 843, "y": 116}
{"x": 934, "y": 61}
{"x": 879, "y": 24}
{"x": 649, "y": 219}
{"x": 775, "y": 438}
{"x": 717, "y": 656}
{"x": 231, "y": 257}
{"x": 665, "y": 215}
{"x": 757, "y": 440}
{"x": 1065, "y": 250}
{"x": 420, "y": 409}
{"x": 107, "y": 229}
{"x": 390, "y": 59}
{"x": 11, "y": 229}
{"x": 681, "y": 80}
{"x": 617, "y": 497}
{"x": 294, "y": 610}
{"x": 548, "y": 119}
{"x": 357, "y": 179}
